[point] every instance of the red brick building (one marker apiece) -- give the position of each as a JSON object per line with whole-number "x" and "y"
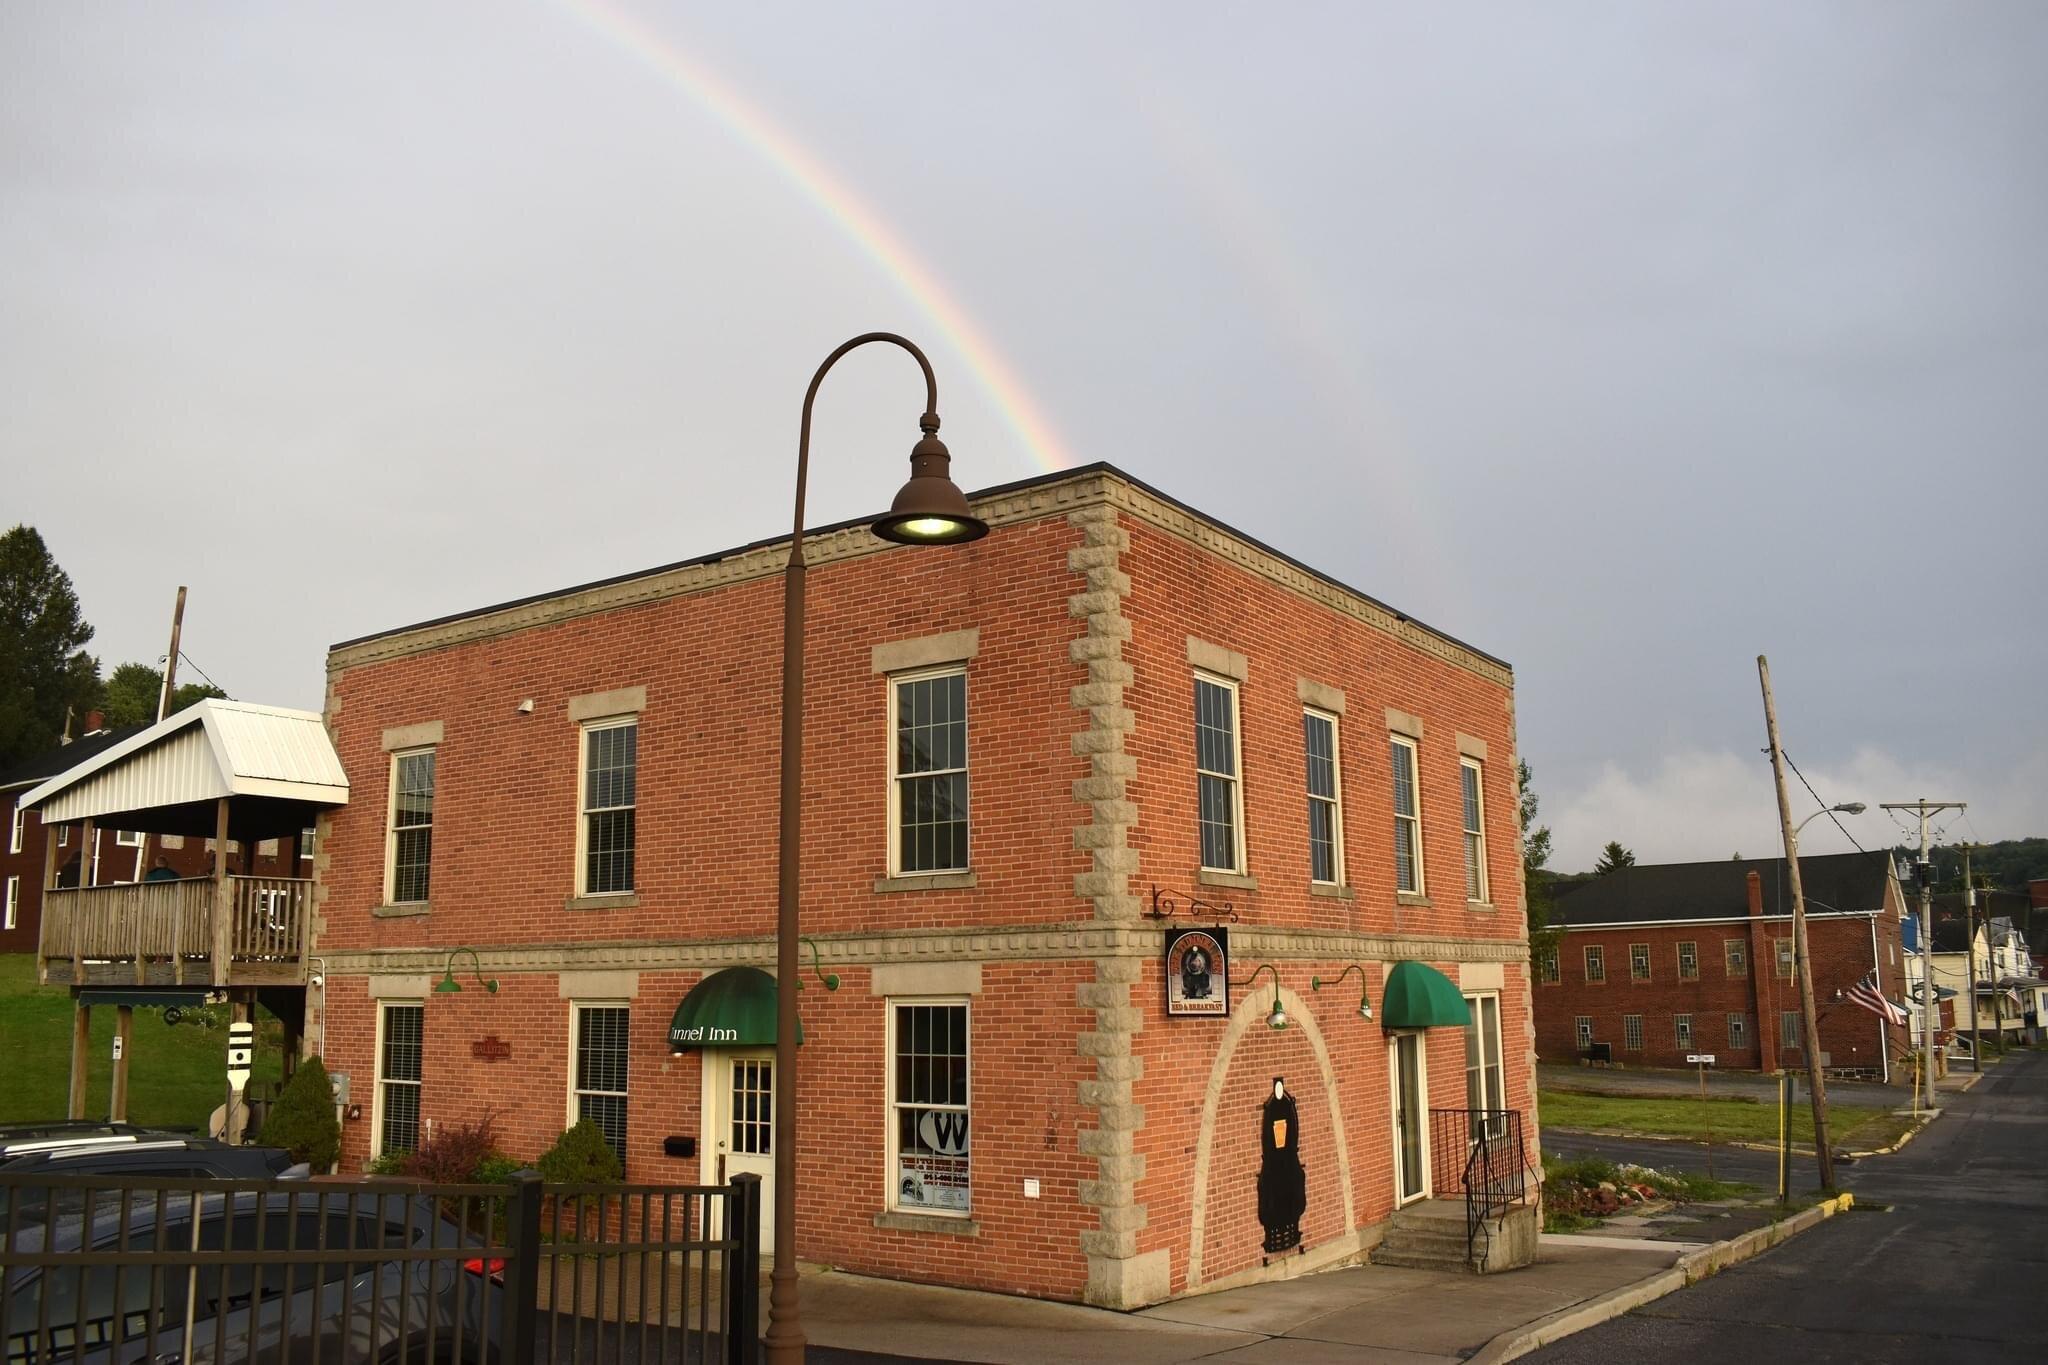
{"x": 1663, "y": 961}
{"x": 1020, "y": 755}
{"x": 114, "y": 855}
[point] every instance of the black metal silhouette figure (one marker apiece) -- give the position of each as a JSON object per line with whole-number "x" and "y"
{"x": 1283, "y": 1183}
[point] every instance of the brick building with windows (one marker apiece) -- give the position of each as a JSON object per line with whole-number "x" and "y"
{"x": 1034, "y": 762}
{"x": 1658, "y": 962}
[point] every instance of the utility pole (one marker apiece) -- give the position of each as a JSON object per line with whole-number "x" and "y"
{"x": 1970, "y": 929}
{"x": 163, "y": 700}
{"x": 1930, "y": 1010}
{"x": 1809, "y": 1025}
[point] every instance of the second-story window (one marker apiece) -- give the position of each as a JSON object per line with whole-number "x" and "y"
{"x": 611, "y": 767}
{"x": 1472, "y": 785}
{"x": 1639, "y": 961}
{"x": 928, "y": 765}
{"x": 1688, "y": 961}
{"x": 1596, "y": 962}
{"x": 1325, "y": 813}
{"x": 412, "y": 826}
{"x": 14, "y": 830}
{"x": 1407, "y": 817}
{"x": 1736, "y": 956}
{"x": 1220, "y": 801}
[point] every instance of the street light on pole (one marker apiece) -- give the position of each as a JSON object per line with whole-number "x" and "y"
{"x": 929, "y": 510}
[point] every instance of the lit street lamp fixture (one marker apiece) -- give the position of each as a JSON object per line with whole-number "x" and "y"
{"x": 930, "y": 510}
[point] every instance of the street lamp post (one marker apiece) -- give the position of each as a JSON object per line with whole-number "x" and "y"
{"x": 929, "y": 510}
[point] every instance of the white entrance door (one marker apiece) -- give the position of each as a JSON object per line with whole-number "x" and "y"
{"x": 739, "y": 1123}
{"x": 1411, "y": 1117}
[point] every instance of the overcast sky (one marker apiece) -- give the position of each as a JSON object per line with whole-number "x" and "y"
{"x": 1624, "y": 341}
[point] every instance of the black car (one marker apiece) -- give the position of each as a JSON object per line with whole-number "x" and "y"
{"x": 297, "y": 1271}
{"x": 138, "y": 1152}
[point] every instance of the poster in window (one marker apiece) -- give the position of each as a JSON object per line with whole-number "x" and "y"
{"x": 1198, "y": 971}
{"x": 931, "y": 1160}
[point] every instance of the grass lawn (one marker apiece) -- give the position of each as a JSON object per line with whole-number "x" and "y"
{"x": 177, "y": 1074}
{"x": 1722, "y": 1120}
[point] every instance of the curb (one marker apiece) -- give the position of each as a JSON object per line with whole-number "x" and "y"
{"x": 1926, "y": 1117}
{"x": 1691, "y": 1269}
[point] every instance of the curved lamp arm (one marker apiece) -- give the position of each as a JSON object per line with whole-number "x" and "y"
{"x": 929, "y": 423}
{"x": 1277, "y": 1018}
{"x": 1316, "y": 983}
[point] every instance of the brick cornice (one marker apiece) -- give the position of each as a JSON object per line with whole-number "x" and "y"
{"x": 1090, "y": 488}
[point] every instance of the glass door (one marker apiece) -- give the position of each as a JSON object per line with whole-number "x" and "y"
{"x": 1411, "y": 1119}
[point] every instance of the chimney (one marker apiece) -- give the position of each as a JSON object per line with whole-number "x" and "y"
{"x": 1756, "y": 896}
{"x": 95, "y": 721}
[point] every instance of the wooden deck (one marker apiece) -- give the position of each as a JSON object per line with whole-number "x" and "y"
{"x": 250, "y": 932}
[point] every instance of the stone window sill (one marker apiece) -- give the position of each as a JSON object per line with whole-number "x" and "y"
{"x": 1414, "y": 898}
{"x": 405, "y": 911}
{"x": 1332, "y": 891}
{"x": 1236, "y": 881}
{"x": 929, "y": 881}
{"x": 1480, "y": 907}
{"x": 618, "y": 902}
{"x": 925, "y": 1222}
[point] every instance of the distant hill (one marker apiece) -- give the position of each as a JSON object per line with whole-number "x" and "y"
{"x": 2009, "y": 863}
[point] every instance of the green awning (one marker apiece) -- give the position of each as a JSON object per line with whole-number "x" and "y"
{"x": 730, "y": 1008}
{"x": 1420, "y": 996}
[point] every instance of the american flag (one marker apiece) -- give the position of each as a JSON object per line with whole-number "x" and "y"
{"x": 1866, "y": 994}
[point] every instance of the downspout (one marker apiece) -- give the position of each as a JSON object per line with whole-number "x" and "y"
{"x": 1884, "y": 1042}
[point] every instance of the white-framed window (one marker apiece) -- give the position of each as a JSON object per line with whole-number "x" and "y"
{"x": 401, "y": 1030}
{"x": 1681, "y": 1028}
{"x": 14, "y": 830}
{"x": 1219, "y": 796}
{"x": 1632, "y": 1032}
{"x": 928, "y": 772}
{"x": 1325, "y": 798}
{"x": 128, "y": 838}
{"x": 1485, "y": 1080}
{"x": 63, "y": 836}
{"x": 13, "y": 903}
{"x": 409, "y": 855}
{"x": 306, "y": 843}
{"x": 1582, "y": 1029}
{"x": 1548, "y": 970}
{"x": 1738, "y": 1032}
{"x": 1639, "y": 961}
{"x": 928, "y": 1159}
{"x": 1472, "y": 785}
{"x": 1788, "y": 1028}
{"x": 1596, "y": 963}
{"x": 598, "y": 1071}
{"x": 1407, "y": 816}
{"x": 1688, "y": 962}
{"x": 1735, "y": 956}
{"x": 1785, "y": 958}
{"x": 606, "y": 825}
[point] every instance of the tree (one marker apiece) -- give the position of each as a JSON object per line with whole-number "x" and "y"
{"x": 302, "y": 1121}
{"x": 132, "y": 690}
{"x": 1613, "y": 856}
{"x": 44, "y": 669}
{"x": 1536, "y": 878}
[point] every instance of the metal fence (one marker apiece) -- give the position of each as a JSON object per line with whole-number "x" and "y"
{"x": 117, "y": 1269}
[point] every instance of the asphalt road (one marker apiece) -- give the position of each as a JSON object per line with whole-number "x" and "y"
{"x": 1953, "y": 1272}
{"x": 1728, "y": 1163}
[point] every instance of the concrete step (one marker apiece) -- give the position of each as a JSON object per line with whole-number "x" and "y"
{"x": 1382, "y": 1256}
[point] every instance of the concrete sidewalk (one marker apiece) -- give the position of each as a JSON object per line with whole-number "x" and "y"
{"x": 1353, "y": 1314}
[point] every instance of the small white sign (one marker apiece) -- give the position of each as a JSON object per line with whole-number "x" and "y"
{"x": 1030, "y": 1188}
{"x": 1699, "y": 1059}
{"x": 117, "y": 1047}
{"x": 241, "y": 1050}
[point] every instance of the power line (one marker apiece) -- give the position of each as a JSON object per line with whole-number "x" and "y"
{"x": 1824, "y": 805}
{"x": 201, "y": 672}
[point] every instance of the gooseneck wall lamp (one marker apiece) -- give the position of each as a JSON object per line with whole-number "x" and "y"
{"x": 1316, "y": 983}
{"x": 450, "y": 986}
{"x": 928, "y": 510}
{"x": 1277, "y": 1017}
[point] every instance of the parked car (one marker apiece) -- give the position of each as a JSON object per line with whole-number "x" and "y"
{"x": 286, "y": 1296}
{"x": 161, "y": 1156}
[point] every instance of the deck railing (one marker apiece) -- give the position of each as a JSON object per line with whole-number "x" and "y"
{"x": 169, "y": 933}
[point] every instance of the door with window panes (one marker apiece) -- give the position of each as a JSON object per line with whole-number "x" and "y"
{"x": 1485, "y": 1081}
{"x": 739, "y": 1102}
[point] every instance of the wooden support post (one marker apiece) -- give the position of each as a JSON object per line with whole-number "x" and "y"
{"x": 239, "y": 1012}
{"x": 45, "y": 941}
{"x": 223, "y": 894}
{"x": 124, "y": 1044}
{"x": 81, "y": 1047}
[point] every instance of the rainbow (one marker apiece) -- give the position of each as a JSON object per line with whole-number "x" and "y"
{"x": 753, "y": 128}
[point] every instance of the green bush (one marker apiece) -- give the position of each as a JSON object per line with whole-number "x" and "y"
{"x": 302, "y": 1120}
{"x": 580, "y": 1156}
{"x": 390, "y": 1163}
{"x": 496, "y": 1169}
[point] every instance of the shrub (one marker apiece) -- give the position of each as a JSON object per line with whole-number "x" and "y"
{"x": 391, "y": 1163}
{"x": 302, "y": 1120}
{"x": 496, "y": 1169}
{"x": 454, "y": 1151}
{"x": 580, "y": 1156}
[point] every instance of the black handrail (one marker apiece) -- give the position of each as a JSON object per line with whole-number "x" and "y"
{"x": 1485, "y": 1147}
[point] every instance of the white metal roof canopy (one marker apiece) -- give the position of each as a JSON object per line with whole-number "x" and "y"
{"x": 276, "y": 768}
